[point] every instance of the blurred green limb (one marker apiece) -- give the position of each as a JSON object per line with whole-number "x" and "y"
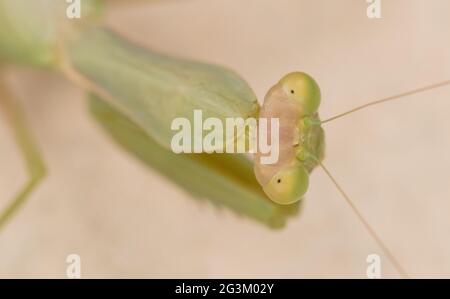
{"x": 225, "y": 179}
{"x": 30, "y": 29}
{"x": 33, "y": 161}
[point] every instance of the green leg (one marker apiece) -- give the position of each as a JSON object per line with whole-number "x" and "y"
{"x": 25, "y": 142}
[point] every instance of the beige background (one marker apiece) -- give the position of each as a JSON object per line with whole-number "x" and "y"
{"x": 127, "y": 221}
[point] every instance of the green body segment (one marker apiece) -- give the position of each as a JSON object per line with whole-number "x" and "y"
{"x": 153, "y": 89}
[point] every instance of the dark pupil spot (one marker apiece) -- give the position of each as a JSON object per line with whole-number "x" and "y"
{"x": 292, "y": 91}
{"x": 279, "y": 180}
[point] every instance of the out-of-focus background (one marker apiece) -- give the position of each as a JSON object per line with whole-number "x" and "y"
{"x": 125, "y": 220}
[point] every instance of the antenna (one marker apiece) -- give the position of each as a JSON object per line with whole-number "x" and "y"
{"x": 388, "y": 99}
{"x": 369, "y": 228}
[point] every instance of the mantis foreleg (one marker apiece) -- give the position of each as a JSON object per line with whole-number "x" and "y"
{"x": 25, "y": 142}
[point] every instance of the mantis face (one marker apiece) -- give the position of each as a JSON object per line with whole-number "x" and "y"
{"x": 294, "y": 99}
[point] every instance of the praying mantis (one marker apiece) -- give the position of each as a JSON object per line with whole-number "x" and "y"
{"x": 93, "y": 58}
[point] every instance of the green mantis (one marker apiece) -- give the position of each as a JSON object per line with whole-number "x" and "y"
{"x": 132, "y": 95}
{"x": 135, "y": 94}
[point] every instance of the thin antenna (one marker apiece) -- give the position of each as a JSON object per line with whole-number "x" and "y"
{"x": 391, "y": 98}
{"x": 369, "y": 228}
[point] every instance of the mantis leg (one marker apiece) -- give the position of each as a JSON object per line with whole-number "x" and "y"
{"x": 27, "y": 146}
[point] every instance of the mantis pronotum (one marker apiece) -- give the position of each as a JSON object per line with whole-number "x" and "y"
{"x": 79, "y": 72}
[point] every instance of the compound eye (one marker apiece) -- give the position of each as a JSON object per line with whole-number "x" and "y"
{"x": 288, "y": 185}
{"x": 304, "y": 90}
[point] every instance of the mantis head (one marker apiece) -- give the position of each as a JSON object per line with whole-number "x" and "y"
{"x": 294, "y": 97}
